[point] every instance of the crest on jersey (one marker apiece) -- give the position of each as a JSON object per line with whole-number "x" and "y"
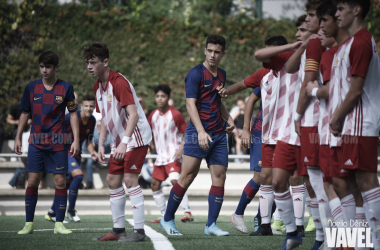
{"x": 336, "y": 63}
{"x": 59, "y": 99}
{"x": 109, "y": 98}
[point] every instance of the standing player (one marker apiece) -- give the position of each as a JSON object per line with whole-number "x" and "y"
{"x": 167, "y": 125}
{"x": 46, "y": 99}
{"x": 75, "y": 175}
{"x": 205, "y": 136}
{"x": 267, "y": 81}
{"x": 358, "y": 116}
{"x": 125, "y": 120}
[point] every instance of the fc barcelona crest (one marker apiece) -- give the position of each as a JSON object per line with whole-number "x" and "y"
{"x": 59, "y": 99}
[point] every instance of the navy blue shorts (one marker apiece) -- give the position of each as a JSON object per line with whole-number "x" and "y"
{"x": 255, "y": 154}
{"x": 217, "y": 153}
{"x": 74, "y": 163}
{"x": 52, "y": 161}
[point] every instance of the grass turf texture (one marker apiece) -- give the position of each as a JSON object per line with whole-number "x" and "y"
{"x": 96, "y": 225}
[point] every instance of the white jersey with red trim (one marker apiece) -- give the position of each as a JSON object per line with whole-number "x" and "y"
{"x": 311, "y": 116}
{"x": 114, "y": 116}
{"x": 290, "y": 86}
{"x": 269, "y": 94}
{"x": 364, "y": 118}
{"x": 167, "y": 129}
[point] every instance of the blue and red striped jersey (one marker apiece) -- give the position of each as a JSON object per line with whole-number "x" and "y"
{"x": 201, "y": 85}
{"x": 86, "y": 131}
{"x": 257, "y": 126}
{"x": 47, "y": 108}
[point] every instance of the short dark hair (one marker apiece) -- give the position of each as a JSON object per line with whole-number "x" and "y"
{"x": 88, "y": 98}
{"x": 96, "y": 49}
{"x": 313, "y": 4}
{"x": 364, "y": 5}
{"x": 276, "y": 41}
{"x": 164, "y": 88}
{"x": 300, "y": 20}
{"x": 216, "y": 39}
{"x": 327, "y": 8}
{"x": 49, "y": 58}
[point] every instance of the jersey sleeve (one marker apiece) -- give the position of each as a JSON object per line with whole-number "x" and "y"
{"x": 254, "y": 80}
{"x": 25, "y": 101}
{"x": 96, "y": 87}
{"x": 326, "y": 64}
{"x": 278, "y": 61}
{"x": 70, "y": 99}
{"x": 150, "y": 118}
{"x": 360, "y": 57}
{"x": 192, "y": 83}
{"x": 257, "y": 92}
{"x": 314, "y": 51}
{"x": 179, "y": 121}
{"x": 123, "y": 92}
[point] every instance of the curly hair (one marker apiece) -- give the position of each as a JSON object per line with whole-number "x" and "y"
{"x": 96, "y": 49}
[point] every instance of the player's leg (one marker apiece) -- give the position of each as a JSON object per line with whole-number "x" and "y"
{"x": 117, "y": 201}
{"x": 134, "y": 160}
{"x": 77, "y": 176}
{"x": 158, "y": 176}
{"x": 298, "y": 191}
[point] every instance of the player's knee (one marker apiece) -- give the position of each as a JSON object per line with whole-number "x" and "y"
{"x": 33, "y": 183}
{"x": 279, "y": 184}
{"x": 131, "y": 180}
{"x": 60, "y": 183}
{"x": 265, "y": 178}
{"x": 155, "y": 185}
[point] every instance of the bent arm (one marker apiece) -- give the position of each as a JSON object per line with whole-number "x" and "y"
{"x": 304, "y": 99}
{"x": 249, "y": 110}
{"x": 236, "y": 88}
{"x": 265, "y": 54}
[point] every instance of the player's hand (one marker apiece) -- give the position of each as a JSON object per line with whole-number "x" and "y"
{"x": 222, "y": 91}
{"x": 74, "y": 149}
{"x": 119, "y": 153}
{"x": 178, "y": 154}
{"x": 203, "y": 140}
{"x": 231, "y": 126}
{"x": 304, "y": 43}
{"x": 94, "y": 156}
{"x": 101, "y": 156}
{"x": 310, "y": 86}
{"x": 246, "y": 138}
{"x": 297, "y": 125}
{"x": 296, "y": 45}
{"x": 335, "y": 126}
{"x": 17, "y": 146}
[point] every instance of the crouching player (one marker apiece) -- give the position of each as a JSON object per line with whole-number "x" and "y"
{"x": 75, "y": 175}
{"x": 46, "y": 99}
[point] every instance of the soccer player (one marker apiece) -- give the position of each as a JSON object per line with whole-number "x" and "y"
{"x": 358, "y": 116}
{"x": 46, "y": 99}
{"x": 75, "y": 175}
{"x": 267, "y": 81}
{"x": 167, "y": 125}
{"x": 205, "y": 136}
{"x": 125, "y": 120}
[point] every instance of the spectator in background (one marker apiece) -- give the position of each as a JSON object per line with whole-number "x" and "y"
{"x": 239, "y": 124}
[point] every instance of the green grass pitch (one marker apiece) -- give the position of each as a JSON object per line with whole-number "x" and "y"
{"x": 95, "y": 225}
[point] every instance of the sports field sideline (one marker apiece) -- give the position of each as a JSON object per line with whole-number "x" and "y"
{"x": 95, "y": 225}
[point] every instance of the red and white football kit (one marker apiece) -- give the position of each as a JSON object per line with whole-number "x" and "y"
{"x": 323, "y": 124}
{"x": 361, "y": 126}
{"x": 309, "y": 121}
{"x": 268, "y": 83}
{"x": 166, "y": 130}
{"x": 288, "y": 152}
{"x": 110, "y": 102}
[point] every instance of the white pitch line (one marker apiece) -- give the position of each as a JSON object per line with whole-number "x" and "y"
{"x": 160, "y": 242}
{"x": 74, "y": 229}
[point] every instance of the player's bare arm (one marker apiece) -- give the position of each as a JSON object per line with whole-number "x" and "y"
{"x": 322, "y": 92}
{"x": 231, "y": 90}
{"x": 131, "y": 110}
{"x": 293, "y": 64}
{"x": 74, "y": 122}
{"x": 226, "y": 116}
{"x": 179, "y": 152}
{"x": 265, "y": 54}
{"x": 352, "y": 98}
{"x": 23, "y": 120}
{"x": 102, "y": 139}
{"x": 91, "y": 150}
{"x": 246, "y": 137}
{"x": 203, "y": 137}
